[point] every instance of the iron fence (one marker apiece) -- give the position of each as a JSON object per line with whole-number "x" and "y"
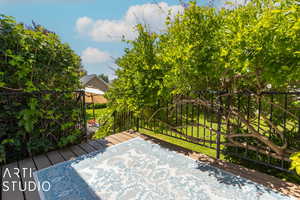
{"x": 123, "y": 121}
{"x": 262, "y": 128}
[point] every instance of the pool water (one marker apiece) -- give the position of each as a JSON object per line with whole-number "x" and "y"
{"x": 138, "y": 169}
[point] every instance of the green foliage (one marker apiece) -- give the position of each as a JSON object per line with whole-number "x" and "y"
{"x": 105, "y": 118}
{"x": 253, "y": 47}
{"x": 104, "y": 77}
{"x": 250, "y": 47}
{"x": 33, "y": 59}
{"x": 140, "y": 77}
{"x": 259, "y": 41}
{"x": 2, "y": 153}
{"x": 295, "y": 165}
{"x": 29, "y": 117}
{"x": 190, "y": 50}
{"x": 101, "y": 115}
{"x": 70, "y": 139}
{"x": 96, "y": 106}
{"x": 2, "y": 149}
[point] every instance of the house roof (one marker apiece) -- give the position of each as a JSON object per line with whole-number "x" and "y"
{"x": 85, "y": 79}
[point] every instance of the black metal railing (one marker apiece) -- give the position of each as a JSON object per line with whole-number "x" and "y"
{"x": 123, "y": 121}
{"x": 262, "y": 128}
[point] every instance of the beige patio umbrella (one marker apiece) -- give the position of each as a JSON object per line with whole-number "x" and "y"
{"x": 93, "y": 96}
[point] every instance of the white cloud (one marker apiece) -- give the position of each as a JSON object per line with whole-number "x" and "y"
{"x": 93, "y": 55}
{"x": 83, "y": 23}
{"x": 104, "y": 30}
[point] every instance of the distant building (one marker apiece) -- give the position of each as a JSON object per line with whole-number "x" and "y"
{"x": 93, "y": 81}
{"x": 95, "y": 88}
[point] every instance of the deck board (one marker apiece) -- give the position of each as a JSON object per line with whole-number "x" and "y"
{"x": 41, "y": 161}
{"x": 9, "y": 177}
{"x": 130, "y": 134}
{"x": 0, "y": 182}
{"x": 96, "y": 145}
{"x": 55, "y": 157}
{"x": 105, "y": 143}
{"x": 77, "y": 150}
{"x": 120, "y": 137}
{"x": 27, "y": 177}
{"x": 67, "y": 154}
{"x": 88, "y": 148}
{"x": 113, "y": 139}
{"x": 124, "y": 137}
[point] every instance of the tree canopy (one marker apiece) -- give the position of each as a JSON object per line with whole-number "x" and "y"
{"x": 254, "y": 47}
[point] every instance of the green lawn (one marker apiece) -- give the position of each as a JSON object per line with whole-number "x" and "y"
{"x": 99, "y": 113}
{"x": 182, "y": 143}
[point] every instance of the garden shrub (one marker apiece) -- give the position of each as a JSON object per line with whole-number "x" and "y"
{"x": 96, "y": 106}
{"x": 37, "y": 70}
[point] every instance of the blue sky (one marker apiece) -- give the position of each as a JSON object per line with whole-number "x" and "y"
{"x": 93, "y": 28}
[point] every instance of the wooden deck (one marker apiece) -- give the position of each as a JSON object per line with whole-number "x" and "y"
{"x": 54, "y": 157}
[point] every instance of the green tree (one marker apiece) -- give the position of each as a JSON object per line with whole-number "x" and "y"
{"x": 251, "y": 47}
{"x": 140, "y": 76}
{"x": 104, "y": 77}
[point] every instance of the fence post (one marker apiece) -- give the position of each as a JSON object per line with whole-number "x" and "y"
{"x": 218, "y": 138}
{"x": 114, "y": 122}
{"x": 84, "y": 114}
{"x": 137, "y": 123}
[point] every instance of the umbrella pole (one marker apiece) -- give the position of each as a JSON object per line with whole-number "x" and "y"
{"x": 93, "y": 108}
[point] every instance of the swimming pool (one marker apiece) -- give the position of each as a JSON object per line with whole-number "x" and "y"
{"x": 138, "y": 169}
